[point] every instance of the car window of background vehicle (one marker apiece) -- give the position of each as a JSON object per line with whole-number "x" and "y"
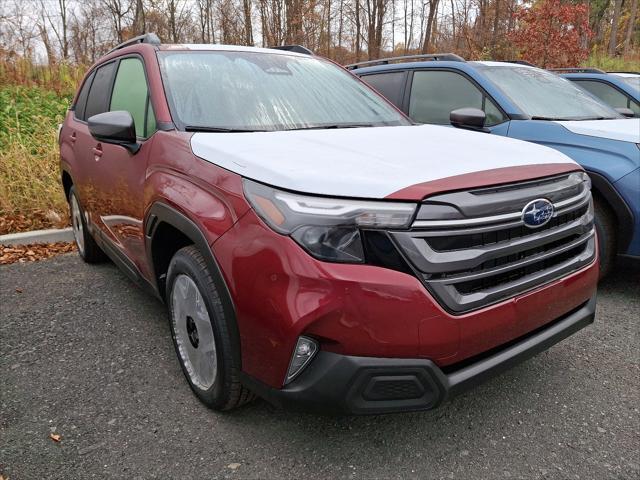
{"x": 435, "y": 94}
{"x": 388, "y": 84}
{"x": 609, "y": 94}
{"x": 543, "y": 94}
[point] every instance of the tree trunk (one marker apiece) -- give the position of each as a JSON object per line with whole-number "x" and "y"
{"x": 496, "y": 24}
{"x": 630, "y": 27}
{"x": 358, "y": 30}
{"x": 433, "y": 8}
{"x": 248, "y": 29}
{"x": 613, "y": 39}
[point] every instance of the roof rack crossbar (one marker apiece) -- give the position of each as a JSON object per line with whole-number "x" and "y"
{"x": 576, "y": 70}
{"x": 452, "y": 57}
{"x": 293, "y": 48}
{"x": 150, "y": 38}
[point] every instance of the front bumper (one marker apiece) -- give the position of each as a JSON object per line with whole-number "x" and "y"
{"x": 334, "y": 383}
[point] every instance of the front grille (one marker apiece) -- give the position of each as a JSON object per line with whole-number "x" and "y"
{"x": 472, "y": 249}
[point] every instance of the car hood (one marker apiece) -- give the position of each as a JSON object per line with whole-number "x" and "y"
{"x": 624, "y": 129}
{"x": 373, "y": 162}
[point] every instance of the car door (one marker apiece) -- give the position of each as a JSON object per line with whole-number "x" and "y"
{"x": 117, "y": 174}
{"x": 609, "y": 94}
{"x": 434, "y": 94}
{"x": 86, "y": 178}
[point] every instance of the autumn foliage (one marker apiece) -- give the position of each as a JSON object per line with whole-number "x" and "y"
{"x": 552, "y": 33}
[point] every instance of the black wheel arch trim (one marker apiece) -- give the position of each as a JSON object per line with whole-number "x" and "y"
{"x": 161, "y": 212}
{"x": 623, "y": 214}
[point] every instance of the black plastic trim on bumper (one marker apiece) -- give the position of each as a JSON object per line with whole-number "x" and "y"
{"x": 342, "y": 384}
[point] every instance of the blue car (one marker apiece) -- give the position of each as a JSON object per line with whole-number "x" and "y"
{"x": 520, "y": 101}
{"x": 616, "y": 89}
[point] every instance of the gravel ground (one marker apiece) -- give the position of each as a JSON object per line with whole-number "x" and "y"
{"x": 86, "y": 355}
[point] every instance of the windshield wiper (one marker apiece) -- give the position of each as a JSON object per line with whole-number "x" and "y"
{"x": 336, "y": 125}
{"x": 551, "y": 119}
{"x": 575, "y": 119}
{"x": 202, "y": 128}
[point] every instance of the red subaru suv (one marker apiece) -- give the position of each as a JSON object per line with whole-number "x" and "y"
{"x": 312, "y": 245}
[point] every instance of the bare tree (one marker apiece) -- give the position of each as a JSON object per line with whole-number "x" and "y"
{"x": 633, "y": 13}
{"x": 615, "y": 22}
{"x": 433, "y": 9}
{"x": 248, "y": 22}
{"x": 205, "y": 18}
{"x": 117, "y": 10}
{"x": 375, "y": 12}
{"x": 59, "y": 28}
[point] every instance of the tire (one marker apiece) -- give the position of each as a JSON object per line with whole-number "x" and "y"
{"x": 88, "y": 249}
{"x": 607, "y": 239}
{"x": 198, "y": 324}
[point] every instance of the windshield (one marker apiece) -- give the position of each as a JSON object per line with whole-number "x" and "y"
{"x": 633, "y": 81}
{"x": 255, "y": 91}
{"x": 544, "y": 95}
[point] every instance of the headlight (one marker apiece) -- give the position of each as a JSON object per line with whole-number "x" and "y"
{"x": 328, "y": 228}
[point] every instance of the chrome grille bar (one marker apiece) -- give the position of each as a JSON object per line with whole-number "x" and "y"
{"x": 468, "y": 261}
{"x": 559, "y": 207}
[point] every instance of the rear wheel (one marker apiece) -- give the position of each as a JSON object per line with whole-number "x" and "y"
{"x": 201, "y": 334}
{"x": 88, "y": 249}
{"x": 607, "y": 239}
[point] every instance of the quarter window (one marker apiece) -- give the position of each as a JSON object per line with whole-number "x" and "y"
{"x": 130, "y": 93}
{"x": 391, "y": 85}
{"x": 81, "y": 103}
{"x": 434, "y": 94}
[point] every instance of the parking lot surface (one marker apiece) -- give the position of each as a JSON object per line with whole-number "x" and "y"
{"x": 86, "y": 355}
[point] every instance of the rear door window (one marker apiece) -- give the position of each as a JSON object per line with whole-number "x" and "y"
{"x": 98, "y": 100}
{"x": 434, "y": 94}
{"x": 131, "y": 93}
{"x": 391, "y": 85}
{"x": 81, "y": 103}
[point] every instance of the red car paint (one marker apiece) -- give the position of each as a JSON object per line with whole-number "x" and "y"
{"x": 278, "y": 290}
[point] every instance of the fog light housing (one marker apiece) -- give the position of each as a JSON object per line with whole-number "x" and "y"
{"x": 305, "y": 350}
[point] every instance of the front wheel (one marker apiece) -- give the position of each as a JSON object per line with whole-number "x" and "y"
{"x": 200, "y": 332}
{"x": 607, "y": 240}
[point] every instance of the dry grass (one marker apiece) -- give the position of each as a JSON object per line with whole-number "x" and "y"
{"x": 29, "y": 173}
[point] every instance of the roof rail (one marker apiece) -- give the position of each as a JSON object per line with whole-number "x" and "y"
{"x": 519, "y": 62}
{"x": 622, "y": 71}
{"x": 293, "y": 48}
{"x": 452, "y": 57}
{"x": 577, "y": 70}
{"x": 151, "y": 38}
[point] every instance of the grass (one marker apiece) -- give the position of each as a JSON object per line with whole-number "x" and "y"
{"x": 608, "y": 64}
{"x": 30, "y": 190}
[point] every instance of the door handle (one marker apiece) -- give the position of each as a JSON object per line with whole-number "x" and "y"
{"x": 72, "y": 137}
{"x": 97, "y": 152}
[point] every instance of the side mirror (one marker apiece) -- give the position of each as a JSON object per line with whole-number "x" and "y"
{"x": 469, "y": 119}
{"x": 626, "y": 112}
{"x": 115, "y": 127}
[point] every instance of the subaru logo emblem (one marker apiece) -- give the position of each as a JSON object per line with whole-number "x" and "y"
{"x": 537, "y": 213}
